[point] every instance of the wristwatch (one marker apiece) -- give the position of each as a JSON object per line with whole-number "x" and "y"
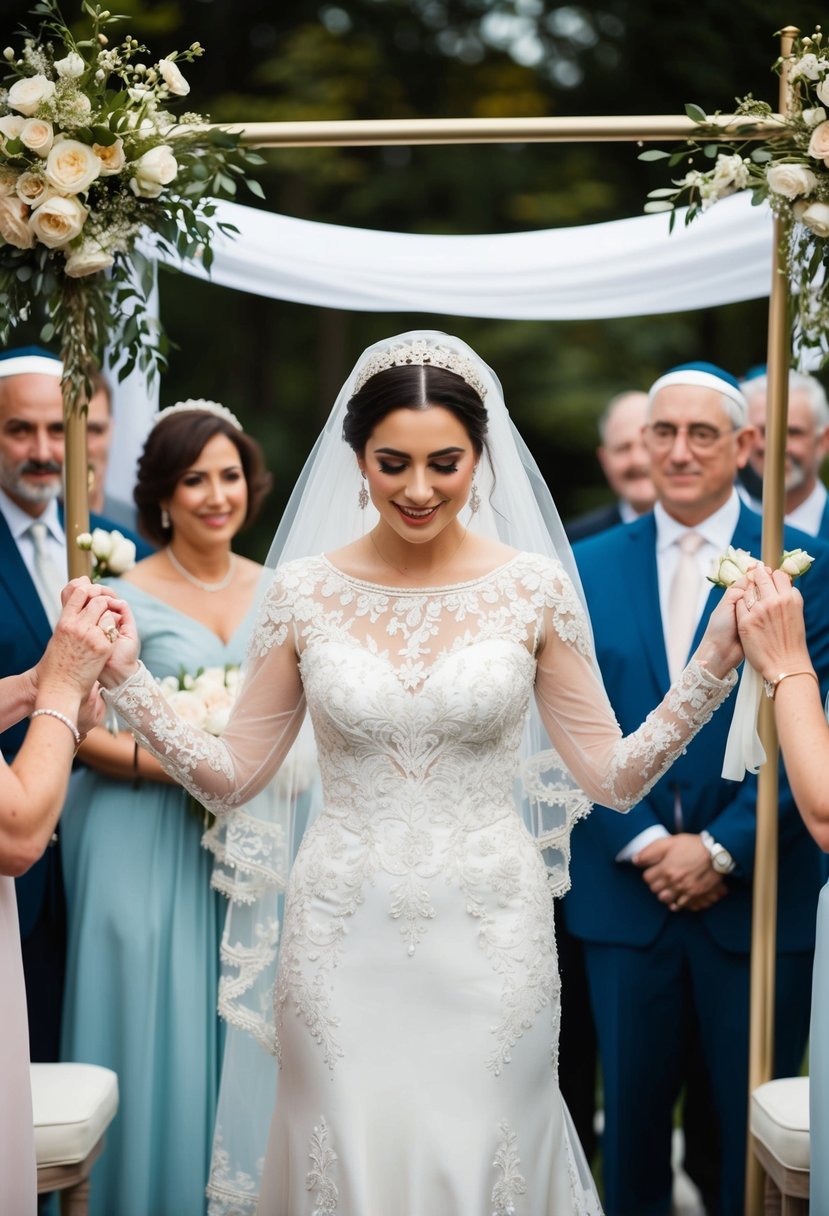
{"x": 721, "y": 859}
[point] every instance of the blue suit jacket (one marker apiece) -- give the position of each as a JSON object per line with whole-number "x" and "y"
{"x": 609, "y": 901}
{"x": 24, "y": 633}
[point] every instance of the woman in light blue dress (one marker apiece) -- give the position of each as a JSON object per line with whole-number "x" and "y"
{"x": 144, "y": 923}
{"x": 770, "y": 619}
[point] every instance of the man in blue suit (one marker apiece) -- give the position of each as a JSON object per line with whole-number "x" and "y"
{"x": 807, "y": 444}
{"x": 31, "y": 467}
{"x": 661, "y": 897}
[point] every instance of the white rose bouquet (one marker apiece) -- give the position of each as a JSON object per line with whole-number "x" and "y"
{"x": 205, "y": 700}
{"x": 790, "y": 170}
{"x": 112, "y": 552}
{"x": 91, "y": 157}
{"x": 744, "y": 752}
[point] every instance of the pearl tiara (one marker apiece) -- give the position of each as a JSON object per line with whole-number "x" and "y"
{"x": 199, "y": 404}
{"x": 423, "y": 353}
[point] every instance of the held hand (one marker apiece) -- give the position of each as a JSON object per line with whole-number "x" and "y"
{"x": 92, "y": 710}
{"x": 678, "y": 871}
{"x": 720, "y": 649}
{"x": 770, "y": 623}
{"x": 123, "y": 661}
{"x": 78, "y": 648}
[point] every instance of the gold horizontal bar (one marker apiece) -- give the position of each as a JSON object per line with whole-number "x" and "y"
{"x": 384, "y": 132}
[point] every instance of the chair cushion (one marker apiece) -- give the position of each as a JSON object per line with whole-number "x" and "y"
{"x": 780, "y": 1120}
{"x": 73, "y": 1106}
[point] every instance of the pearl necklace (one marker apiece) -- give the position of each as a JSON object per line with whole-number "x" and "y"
{"x": 197, "y": 582}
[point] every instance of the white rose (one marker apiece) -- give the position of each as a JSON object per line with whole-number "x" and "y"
{"x": 216, "y": 720}
{"x": 730, "y": 171}
{"x": 175, "y": 82}
{"x": 153, "y": 171}
{"x": 122, "y": 554}
{"x": 37, "y": 135}
{"x": 791, "y": 180}
{"x": 816, "y": 218}
{"x": 209, "y": 679}
{"x": 88, "y": 259}
{"x": 111, "y": 156}
{"x": 101, "y": 544}
{"x": 57, "y": 221}
{"x": 796, "y": 562}
{"x": 808, "y": 66}
{"x": 813, "y": 117}
{"x": 11, "y": 125}
{"x": 819, "y": 142}
{"x": 168, "y": 684}
{"x": 33, "y": 189}
{"x": 71, "y": 67}
{"x": 14, "y": 223}
{"x": 84, "y": 542}
{"x": 731, "y": 565}
{"x": 26, "y": 94}
{"x": 187, "y": 706}
{"x": 72, "y": 167}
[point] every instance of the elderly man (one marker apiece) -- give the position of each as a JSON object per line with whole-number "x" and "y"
{"x": 32, "y": 572}
{"x": 807, "y": 443}
{"x": 662, "y": 897}
{"x": 624, "y": 460}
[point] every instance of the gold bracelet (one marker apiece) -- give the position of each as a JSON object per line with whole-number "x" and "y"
{"x": 771, "y": 686}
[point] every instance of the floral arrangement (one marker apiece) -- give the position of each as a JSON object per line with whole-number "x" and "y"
{"x": 734, "y": 564}
{"x": 111, "y": 552}
{"x": 204, "y": 699}
{"x": 91, "y": 158}
{"x": 789, "y": 169}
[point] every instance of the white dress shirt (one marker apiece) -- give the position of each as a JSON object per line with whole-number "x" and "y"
{"x": 716, "y": 532}
{"x": 809, "y": 515}
{"x": 19, "y": 522}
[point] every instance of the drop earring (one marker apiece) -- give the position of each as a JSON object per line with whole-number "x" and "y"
{"x": 165, "y": 519}
{"x": 474, "y": 498}
{"x": 362, "y": 497}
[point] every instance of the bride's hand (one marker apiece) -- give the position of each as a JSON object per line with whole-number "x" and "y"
{"x": 720, "y": 649}
{"x": 770, "y": 623}
{"x": 123, "y": 661}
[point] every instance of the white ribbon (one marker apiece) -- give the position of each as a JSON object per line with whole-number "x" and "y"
{"x": 744, "y": 753}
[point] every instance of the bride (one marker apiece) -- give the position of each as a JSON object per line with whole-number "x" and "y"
{"x": 424, "y": 592}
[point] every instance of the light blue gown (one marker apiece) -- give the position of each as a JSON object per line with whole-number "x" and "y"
{"x": 819, "y": 1066}
{"x": 143, "y": 954}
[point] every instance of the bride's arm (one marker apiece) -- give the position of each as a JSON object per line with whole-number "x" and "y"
{"x": 613, "y": 769}
{"x": 220, "y": 772}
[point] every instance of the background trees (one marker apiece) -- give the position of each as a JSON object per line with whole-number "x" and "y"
{"x": 279, "y": 365}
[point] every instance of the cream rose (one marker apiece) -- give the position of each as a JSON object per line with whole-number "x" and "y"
{"x": 27, "y": 94}
{"x": 57, "y": 221}
{"x": 88, "y": 259}
{"x": 121, "y": 554}
{"x": 38, "y": 136}
{"x": 816, "y": 218}
{"x": 729, "y": 566}
{"x": 153, "y": 171}
{"x": 71, "y": 67}
{"x": 14, "y": 223}
{"x": 796, "y": 562}
{"x": 819, "y": 143}
{"x": 813, "y": 117}
{"x": 33, "y": 189}
{"x": 72, "y": 167}
{"x": 791, "y": 180}
{"x": 173, "y": 79}
{"x": 111, "y": 156}
{"x": 187, "y": 705}
{"x": 11, "y": 125}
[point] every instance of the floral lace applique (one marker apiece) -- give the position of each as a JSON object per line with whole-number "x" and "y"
{"x": 511, "y": 1183}
{"x": 318, "y": 1179}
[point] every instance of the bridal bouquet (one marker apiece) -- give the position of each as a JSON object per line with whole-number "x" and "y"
{"x": 91, "y": 158}
{"x": 744, "y": 752}
{"x": 112, "y": 552}
{"x": 790, "y": 170}
{"x": 205, "y": 700}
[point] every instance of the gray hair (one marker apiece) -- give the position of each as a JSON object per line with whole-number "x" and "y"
{"x": 799, "y": 382}
{"x": 608, "y": 411}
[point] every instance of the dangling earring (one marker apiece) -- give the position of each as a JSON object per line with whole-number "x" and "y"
{"x": 165, "y": 519}
{"x": 362, "y": 497}
{"x": 474, "y": 498}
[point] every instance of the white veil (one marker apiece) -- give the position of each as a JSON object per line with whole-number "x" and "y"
{"x": 323, "y": 514}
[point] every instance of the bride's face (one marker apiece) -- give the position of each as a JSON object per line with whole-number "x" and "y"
{"x": 419, "y": 466}
{"x": 210, "y": 501}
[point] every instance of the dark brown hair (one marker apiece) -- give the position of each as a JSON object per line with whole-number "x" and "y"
{"x": 173, "y": 446}
{"x": 414, "y": 386}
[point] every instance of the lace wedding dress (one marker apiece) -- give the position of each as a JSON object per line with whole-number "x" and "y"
{"x": 417, "y": 999}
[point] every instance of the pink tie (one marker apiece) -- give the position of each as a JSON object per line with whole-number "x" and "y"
{"x": 683, "y": 603}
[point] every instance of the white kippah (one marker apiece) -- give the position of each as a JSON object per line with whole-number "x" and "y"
{"x": 698, "y": 378}
{"x": 38, "y": 365}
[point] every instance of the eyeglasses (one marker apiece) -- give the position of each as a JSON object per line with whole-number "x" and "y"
{"x": 699, "y": 435}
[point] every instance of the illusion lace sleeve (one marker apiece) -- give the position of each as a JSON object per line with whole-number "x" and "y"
{"x": 224, "y": 772}
{"x": 612, "y": 769}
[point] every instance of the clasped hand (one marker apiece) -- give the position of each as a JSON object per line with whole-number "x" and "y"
{"x": 678, "y": 871}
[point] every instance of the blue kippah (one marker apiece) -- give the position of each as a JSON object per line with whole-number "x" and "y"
{"x": 22, "y": 352}
{"x": 710, "y": 369}
{"x": 755, "y": 372}
{"x": 22, "y": 360}
{"x": 702, "y": 375}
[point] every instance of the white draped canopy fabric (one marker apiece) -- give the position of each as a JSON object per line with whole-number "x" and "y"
{"x": 631, "y": 267}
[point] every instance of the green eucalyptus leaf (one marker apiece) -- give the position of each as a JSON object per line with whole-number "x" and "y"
{"x": 695, "y": 113}
{"x": 654, "y": 154}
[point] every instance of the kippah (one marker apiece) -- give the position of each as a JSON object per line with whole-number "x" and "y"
{"x": 702, "y": 375}
{"x": 24, "y": 360}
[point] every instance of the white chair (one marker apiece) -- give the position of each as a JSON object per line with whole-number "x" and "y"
{"x": 73, "y": 1106}
{"x": 779, "y": 1126}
